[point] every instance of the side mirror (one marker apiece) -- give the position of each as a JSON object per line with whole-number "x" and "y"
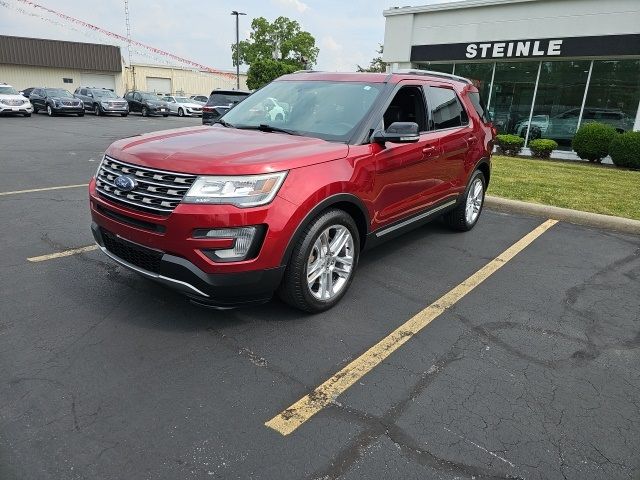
{"x": 398, "y": 132}
{"x": 90, "y": 94}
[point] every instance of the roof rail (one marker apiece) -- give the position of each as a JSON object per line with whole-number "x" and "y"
{"x": 307, "y": 71}
{"x": 430, "y": 73}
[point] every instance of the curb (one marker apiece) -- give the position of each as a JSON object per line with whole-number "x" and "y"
{"x": 607, "y": 222}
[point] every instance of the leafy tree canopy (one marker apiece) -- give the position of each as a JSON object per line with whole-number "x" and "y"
{"x": 376, "y": 65}
{"x": 275, "y": 48}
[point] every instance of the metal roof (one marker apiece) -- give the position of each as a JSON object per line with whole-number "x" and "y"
{"x": 42, "y": 52}
{"x": 439, "y": 5}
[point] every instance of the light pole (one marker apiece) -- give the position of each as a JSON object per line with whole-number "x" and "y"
{"x": 237, "y": 14}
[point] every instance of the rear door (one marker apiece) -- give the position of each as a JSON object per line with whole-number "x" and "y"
{"x": 449, "y": 124}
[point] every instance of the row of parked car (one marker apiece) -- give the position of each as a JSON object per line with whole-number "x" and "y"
{"x": 102, "y": 101}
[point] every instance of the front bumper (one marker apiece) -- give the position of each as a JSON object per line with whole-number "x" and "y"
{"x": 182, "y": 262}
{"x": 213, "y": 290}
{"x": 114, "y": 109}
{"x": 24, "y": 108}
{"x": 68, "y": 109}
{"x": 158, "y": 110}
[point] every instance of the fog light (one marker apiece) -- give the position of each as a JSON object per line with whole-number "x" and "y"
{"x": 243, "y": 247}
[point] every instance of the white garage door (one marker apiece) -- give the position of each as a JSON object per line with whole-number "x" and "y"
{"x": 98, "y": 80}
{"x": 159, "y": 85}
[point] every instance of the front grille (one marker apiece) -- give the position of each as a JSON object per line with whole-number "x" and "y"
{"x": 117, "y": 104}
{"x": 137, "y": 255}
{"x": 156, "y": 191}
{"x": 70, "y": 103}
{"x": 13, "y": 103}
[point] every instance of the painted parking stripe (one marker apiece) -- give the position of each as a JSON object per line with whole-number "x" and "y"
{"x": 65, "y": 253}
{"x": 32, "y": 190}
{"x": 290, "y": 419}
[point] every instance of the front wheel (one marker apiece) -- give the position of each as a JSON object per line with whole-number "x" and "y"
{"x": 49, "y": 111}
{"x": 323, "y": 263}
{"x": 145, "y": 112}
{"x": 464, "y": 217}
{"x": 180, "y": 112}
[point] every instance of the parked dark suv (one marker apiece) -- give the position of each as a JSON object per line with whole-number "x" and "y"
{"x": 102, "y": 101}
{"x": 55, "y": 101}
{"x": 146, "y": 103}
{"x": 219, "y": 103}
{"x": 233, "y": 213}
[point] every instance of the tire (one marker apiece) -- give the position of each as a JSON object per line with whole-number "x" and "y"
{"x": 180, "y": 112}
{"x": 81, "y": 114}
{"x": 35, "y": 110}
{"x": 27, "y": 114}
{"x": 295, "y": 288}
{"x": 534, "y": 135}
{"x": 165, "y": 115}
{"x": 49, "y": 111}
{"x": 145, "y": 112}
{"x": 96, "y": 109}
{"x": 457, "y": 219}
{"x": 124, "y": 114}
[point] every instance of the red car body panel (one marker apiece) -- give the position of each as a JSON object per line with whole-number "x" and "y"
{"x": 388, "y": 182}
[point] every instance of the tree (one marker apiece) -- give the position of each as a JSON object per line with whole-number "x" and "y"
{"x": 274, "y": 49}
{"x": 376, "y": 65}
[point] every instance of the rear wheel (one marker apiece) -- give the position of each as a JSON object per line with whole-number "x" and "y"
{"x": 464, "y": 217}
{"x": 323, "y": 263}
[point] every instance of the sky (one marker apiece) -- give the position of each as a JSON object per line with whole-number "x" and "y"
{"x": 347, "y": 32}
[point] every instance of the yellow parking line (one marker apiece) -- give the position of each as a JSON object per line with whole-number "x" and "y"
{"x": 32, "y": 190}
{"x": 290, "y": 419}
{"x": 65, "y": 253}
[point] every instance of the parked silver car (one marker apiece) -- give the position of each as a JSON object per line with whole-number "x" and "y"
{"x": 183, "y": 106}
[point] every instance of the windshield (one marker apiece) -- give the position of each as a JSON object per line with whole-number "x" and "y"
{"x": 321, "y": 109}
{"x": 8, "y": 91}
{"x": 104, "y": 94}
{"x": 57, "y": 92}
{"x": 151, "y": 96}
{"x": 183, "y": 100}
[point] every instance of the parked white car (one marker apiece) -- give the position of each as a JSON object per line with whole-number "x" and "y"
{"x": 199, "y": 98}
{"x": 12, "y": 102}
{"x": 183, "y": 106}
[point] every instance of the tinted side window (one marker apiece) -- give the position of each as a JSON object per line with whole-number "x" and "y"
{"x": 224, "y": 99}
{"x": 480, "y": 107}
{"x": 446, "y": 110}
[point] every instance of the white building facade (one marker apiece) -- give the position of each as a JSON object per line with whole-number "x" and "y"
{"x": 543, "y": 67}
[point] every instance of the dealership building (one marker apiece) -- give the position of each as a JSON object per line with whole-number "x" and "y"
{"x": 37, "y": 62}
{"x": 544, "y": 67}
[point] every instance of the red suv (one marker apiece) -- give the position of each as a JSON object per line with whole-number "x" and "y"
{"x": 229, "y": 214}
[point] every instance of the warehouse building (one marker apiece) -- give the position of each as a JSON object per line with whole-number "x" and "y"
{"x": 34, "y": 62}
{"x": 544, "y": 67}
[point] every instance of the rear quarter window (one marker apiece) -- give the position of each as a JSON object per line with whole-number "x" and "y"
{"x": 445, "y": 109}
{"x": 479, "y": 106}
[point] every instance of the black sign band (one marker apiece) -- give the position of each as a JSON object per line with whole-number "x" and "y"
{"x": 596, "y": 46}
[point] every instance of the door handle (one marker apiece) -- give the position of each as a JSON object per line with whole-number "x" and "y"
{"x": 472, "y": 138}
{"x": 429, "y": 150}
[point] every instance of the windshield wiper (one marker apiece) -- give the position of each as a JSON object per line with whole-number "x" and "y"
{"x": 224, "y": 124}
{"x": 263, "y": 127}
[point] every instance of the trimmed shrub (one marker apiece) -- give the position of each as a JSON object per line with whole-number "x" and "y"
{"x": 542, "y": 147}
{"x": 591, "y": 142}
{"x": 509, "y": 144}
{"x": 625, "y": 150}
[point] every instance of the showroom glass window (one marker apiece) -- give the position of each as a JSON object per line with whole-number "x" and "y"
{"x": 437, "y": 67}
{"x": 558, "y": 102}
{"x": 479, "y": 74}
{"x": 614, "y": 93}
{"x": 512, "y": 94}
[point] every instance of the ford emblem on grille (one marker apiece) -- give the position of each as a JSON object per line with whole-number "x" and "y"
{"x": 125, "y": 183}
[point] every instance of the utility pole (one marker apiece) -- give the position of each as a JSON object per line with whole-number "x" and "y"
{"x": 131, "y": 67}
{"x": 237, "y": 14}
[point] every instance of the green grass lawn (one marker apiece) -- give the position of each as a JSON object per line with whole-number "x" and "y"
{"x": 576, "y": 185}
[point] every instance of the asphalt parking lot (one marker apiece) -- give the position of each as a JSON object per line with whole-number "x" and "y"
{"x": 532, "y": 374}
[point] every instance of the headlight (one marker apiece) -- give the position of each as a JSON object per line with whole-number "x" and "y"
{"x": 241, "y": 191}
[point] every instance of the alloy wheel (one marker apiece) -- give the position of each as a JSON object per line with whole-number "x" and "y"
{"x": 475, "y": 197}
{"x": 330, "y": 262}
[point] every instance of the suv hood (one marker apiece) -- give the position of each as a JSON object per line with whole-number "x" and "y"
{"x": 225, "y": 151}
{"x": 7, "y": 96}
